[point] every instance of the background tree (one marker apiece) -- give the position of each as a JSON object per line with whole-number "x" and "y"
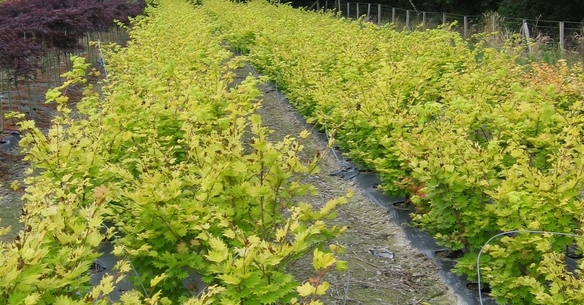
{"x": 29, "y": 28}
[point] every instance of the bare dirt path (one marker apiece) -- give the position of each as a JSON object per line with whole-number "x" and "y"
{"x": 374, "y": 277}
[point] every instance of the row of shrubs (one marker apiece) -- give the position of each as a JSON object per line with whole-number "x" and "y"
{"x": 168, "y": 162}
{"x": 481, "y": 144}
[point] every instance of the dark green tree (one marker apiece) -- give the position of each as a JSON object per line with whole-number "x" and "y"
{"x": 569, "y": 10}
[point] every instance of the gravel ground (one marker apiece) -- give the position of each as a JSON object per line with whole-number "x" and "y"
{"x": 408, "y": 278}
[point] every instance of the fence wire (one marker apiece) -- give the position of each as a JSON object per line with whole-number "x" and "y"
{"x": 559, "y": 35}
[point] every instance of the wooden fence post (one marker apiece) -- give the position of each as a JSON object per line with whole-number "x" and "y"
{"x": 325, "y": 5}
{"x": 378, "y": 14}
{"x": 339, "y": 5}
{"x": 348, "y": 10}
{"x": 357, "y": 10}
{"x": 465, "y": 27}
{"x": 393, "y": 15}
{"x": 368, "y": 11}
{"x": 408, "y": 19}
{"x": 424, "y": 21}
{"x": 443, "y": 18}
{"x": 494, "y": 25}
{"x": 527, "y": 36}
{"x": 562, "y": 41}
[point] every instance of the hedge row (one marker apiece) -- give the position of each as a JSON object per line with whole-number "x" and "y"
{"x": 481, "y": 144}
{"x": 173, "y": 160}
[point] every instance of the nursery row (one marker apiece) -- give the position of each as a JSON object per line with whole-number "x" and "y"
{"x": 168, "y": 162}
{"x": 479, "y": 143}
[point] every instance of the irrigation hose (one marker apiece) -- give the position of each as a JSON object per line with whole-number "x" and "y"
{"x": 505, "y": 233}
{"x": 347, "y": 287}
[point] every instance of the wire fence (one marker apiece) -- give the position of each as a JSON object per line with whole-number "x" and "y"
{"x": 19, "y": 92}
{"x": 559, "y": 35}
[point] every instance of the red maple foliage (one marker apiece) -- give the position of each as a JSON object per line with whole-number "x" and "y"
{"x": 29, "y": 27}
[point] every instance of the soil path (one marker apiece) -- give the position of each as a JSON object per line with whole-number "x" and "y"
{"x": 372, "y": 239}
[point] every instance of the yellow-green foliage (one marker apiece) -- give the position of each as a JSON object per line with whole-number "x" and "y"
{"x": 482, "y": 144}
{"x": 180, "y": 166}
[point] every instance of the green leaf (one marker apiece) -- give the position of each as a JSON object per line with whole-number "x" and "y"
{"x": 322, "y": 260}
{"x": 306, "y": 290}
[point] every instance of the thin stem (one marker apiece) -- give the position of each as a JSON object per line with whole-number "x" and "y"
{"x": 262, "y": 197}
